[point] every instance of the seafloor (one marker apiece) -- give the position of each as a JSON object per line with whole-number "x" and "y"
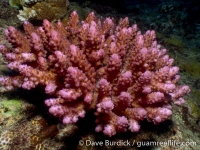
{"x": 24, "y": 120}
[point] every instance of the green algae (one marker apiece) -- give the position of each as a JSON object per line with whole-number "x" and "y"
{"x": 10, "y": 107}
{"x": 15, "y": 4}
{"x": 193, "y": 100}
{"x": 174, "y": 40}
{"x": 191, "y": 67}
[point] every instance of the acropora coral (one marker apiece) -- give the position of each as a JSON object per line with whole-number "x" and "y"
{"x": 95, "y": 64}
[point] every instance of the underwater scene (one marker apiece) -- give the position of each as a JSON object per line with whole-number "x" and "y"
{"x": 99, "y": 75}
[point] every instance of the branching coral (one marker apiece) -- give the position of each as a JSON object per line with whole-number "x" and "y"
{"x": 95, "y": 64}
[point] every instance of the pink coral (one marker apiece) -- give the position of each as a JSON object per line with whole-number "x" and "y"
{"x": 95, "y": 64}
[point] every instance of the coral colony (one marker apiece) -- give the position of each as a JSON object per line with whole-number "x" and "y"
{"x": 95, "y": 64}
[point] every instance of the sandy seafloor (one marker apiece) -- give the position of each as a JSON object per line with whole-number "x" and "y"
{"x": 24, "y": 120}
